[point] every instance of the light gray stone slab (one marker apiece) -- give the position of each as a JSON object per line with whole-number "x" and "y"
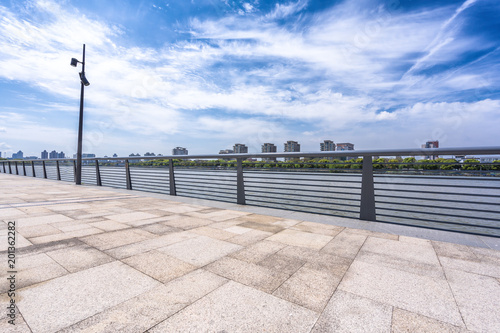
{"x": 159, "y": 266}
{"x": 187, "y": 222}
{"x": 457, "y": 251}
{"x": 300, "y": 238}
{"x": 478, "y": 298}
{"x": 345, "y": 245}
{"x": 238, "y": 308}
{"x": 78, "y": 296}
{"x": 428, "y": 296}
{"x": 38, "y": 230}
{"x": 258, "y": 251}
{"x": 131, "y": 217}
{"x": 183, "y": 208}
{"x": 483, "y": 267}
{"x": 213, "y": 233}
{"x": 79, "y": 257}
{"x": 108, "y": 225}
{"x": 149, "y": 244}
{"x": 309, "y": 288}
{"x": 248, "y": 274}
{"x": 346, "y": 313}
{"x": 281, "y": 263}
{"x": 249, "y": 238}
{"x": 150, "y": 308}
{"x": 38, "y": 220}
{"x": 406, "y": 322}
{"x": 117, "y": 238}
{"x": 9, "y": 213}
{"x": 200, "y": 250}
{"x": 319, "y": 228}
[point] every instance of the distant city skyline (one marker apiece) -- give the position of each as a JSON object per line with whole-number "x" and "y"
{"x": 207, "y": 74}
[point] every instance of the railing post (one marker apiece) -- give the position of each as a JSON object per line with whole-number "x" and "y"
{"x": 127, "y": 174}
{"x": 4, "y": 171}
{"x": 367, "y": 206}
{"x": 240, "y": 183}
{"x": 58, "y": 171}
{"x": 17, "y": 171}
{"x": 33, "y": 168}
{"x": 44, "y": 170}
{"x": 24, "y": 169}
{"x": 10, "y": 168}
{"x": 171, "y": 177}
{"x": 97, "y": 173}
{"x": 74, "y": 170}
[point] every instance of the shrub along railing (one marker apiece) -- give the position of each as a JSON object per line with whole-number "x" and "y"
{"x": 440, "y": 194}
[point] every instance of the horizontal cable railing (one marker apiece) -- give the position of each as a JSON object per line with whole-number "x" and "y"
{"x": 437, "y": 193}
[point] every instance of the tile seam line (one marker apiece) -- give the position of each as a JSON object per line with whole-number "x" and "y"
{"x": 340, "y": 282}
{"x": 450, "y": 288}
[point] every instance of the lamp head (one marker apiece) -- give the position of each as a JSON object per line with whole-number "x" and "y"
{"x": 74, "y": 62}
{"x": 84, "y": 80}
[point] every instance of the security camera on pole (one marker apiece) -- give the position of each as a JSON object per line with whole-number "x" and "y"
{"x": 84, "y": 82}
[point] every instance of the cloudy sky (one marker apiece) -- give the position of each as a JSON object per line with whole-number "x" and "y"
{"x": 205, "y": 74}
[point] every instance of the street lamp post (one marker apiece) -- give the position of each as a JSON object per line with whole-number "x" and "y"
{"x": 84, "y": 83}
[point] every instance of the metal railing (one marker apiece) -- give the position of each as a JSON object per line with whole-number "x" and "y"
{"x": 462, "y": 202}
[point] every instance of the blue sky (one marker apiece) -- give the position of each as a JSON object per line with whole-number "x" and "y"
{"x": 205, "y": 74}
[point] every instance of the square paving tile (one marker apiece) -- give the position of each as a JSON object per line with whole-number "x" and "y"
{"x": 258, "y": 251}
{"x": 281, "y": 263}
{"x": 79, "y": 257}
{"x": 478, "y": 298}
{"x": 309, "y": 288}
{"x": 248, "y": 274}
{"x": 318, "y": 260}
{"x": 117, "y": 238}
{"x": 345, "y": 245}
{"x": 159, "y": 266}
{"x": 428, "y": 296}
{"x": 250, "y": 237}
{"x": 200, "y": 250}
{"x": 300, "y": 238}
{"x": 131, "y": 217}
{"x": 224, "y": 311}
{"x": 148, "y": 309}
{"x": 80, "y": 295}
{"x": 348, "y": 313}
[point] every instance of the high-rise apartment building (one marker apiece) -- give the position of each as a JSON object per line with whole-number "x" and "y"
{"x": 19, "y": 155}
{"x": 269, "y": 148}
{"x": 179, "y": 151}
{"x": 53, "y": 154}
{"x": 61, "y": 155}
{"x": 345, "y": 146}
{"x": 240, "y": 148}
{"x": 291, "y": 146}
{"x": 431, "y": 144}
{"x": 327, "y": 145}
{"x": 44, "y": 155}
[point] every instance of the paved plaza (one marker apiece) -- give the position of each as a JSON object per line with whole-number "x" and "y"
{"x": 95, "y": 259}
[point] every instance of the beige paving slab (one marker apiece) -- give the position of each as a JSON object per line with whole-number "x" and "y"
{"x": 31, "y": 276}
{"x": 258, "y": 251}
{"x": 371, "y": 233}
{"x": 187, "y": 222}
{"x": 300, "y": 238}
{"x": 478, "y": 298}
{"x": 345, "y": 245}
{"x": 218, "y": 215}
{"x": 482, "y": 253}
{"x": 117, "y": 238}
{"x": 213, "y": 233}
{"x": 483, "y": 267}
{"x": 456, "y": 251}
{"x": 261, "y": 218}
{"x": 65, "y": 207}
{"x": 405, "y": 322}
{"x": 77, "y": 258}
{"x": 159, "y": 265}
{"x": 38, "y": 230}
{"x": 249, "y": 238}
{"x": 108, "y": 285}
{"x": 9, "y": 213}
{"x": 38, "y": 220}
{"x": 152, "y": 307}
{"x": 319, "y": 228}
{"x": 238, "y": 229}
{"x": 318, "y": 260}
{"x": 20, "y": 325}
{"x": 346, "y": 313}
{"x": 428, "y": 296}
{"x": 248, "y": 274}
{"x": 414, "y": 258}
{"x": 413, "y": 240}
{"x": 286, "y": 223}
{"x": 200, "y": 250}
{"x": 223, "y": 311}
{"x": 108, "y": 225}
{"x": 183, "y": 208}
{"x": 262, "y": 226}
{"x": 160, "y": 228}
{"x": 149, "y": 244}
{"x": 281, "y": 263}
{"x": 130, "y": 217}
{"x": 309, "y": 288}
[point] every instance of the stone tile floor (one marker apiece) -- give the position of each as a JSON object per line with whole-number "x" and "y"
{"x": 99, "y": 260}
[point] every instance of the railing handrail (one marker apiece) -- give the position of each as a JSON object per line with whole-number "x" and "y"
{"x": 361, "y": 153}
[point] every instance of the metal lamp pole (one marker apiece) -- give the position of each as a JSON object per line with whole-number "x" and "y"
{"x": 84, "y": 82}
